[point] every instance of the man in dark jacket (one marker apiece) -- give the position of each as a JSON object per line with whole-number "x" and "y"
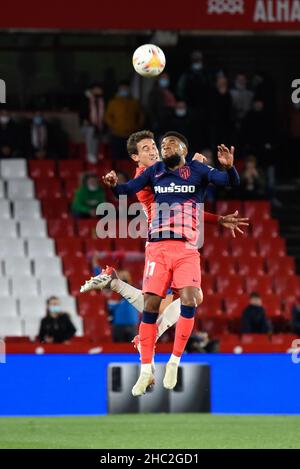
{"x": 56, "y": 326}
{"x": 254, "y": 319}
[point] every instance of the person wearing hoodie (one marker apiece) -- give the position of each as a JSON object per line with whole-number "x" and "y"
{"x": 87, "y": 197}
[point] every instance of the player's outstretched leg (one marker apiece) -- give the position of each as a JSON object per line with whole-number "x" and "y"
{"x": 184, "y": 329}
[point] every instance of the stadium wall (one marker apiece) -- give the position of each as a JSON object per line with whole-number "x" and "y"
{"x": 42, "y": 385}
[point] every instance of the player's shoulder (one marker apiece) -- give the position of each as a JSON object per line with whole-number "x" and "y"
{"x": 201, "y": 167}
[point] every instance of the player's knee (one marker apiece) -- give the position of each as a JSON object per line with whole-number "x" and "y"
{"x": 151, "y": 303}
{"x": 200, "y": 297}
{"x": 189, "y": 300}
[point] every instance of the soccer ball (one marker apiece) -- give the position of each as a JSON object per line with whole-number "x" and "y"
{"x": 148, "y": 60}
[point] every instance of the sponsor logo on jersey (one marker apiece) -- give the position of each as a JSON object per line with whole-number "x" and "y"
{"x": 174, "y": 188}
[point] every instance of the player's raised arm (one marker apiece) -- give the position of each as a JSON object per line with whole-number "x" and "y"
{"x": 230, "y": 176}
{"x": 129, "y": 188}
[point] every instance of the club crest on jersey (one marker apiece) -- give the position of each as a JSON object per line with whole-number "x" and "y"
{"x": 184, "y": 172}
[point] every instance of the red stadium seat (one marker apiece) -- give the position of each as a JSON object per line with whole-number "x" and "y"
{"x": 212, "y": 305}
{"x": 265, "y": 229}
{"x": 76, "y": 266}
{"x": 257, "y": 210}
{"x": 261, "y": 284}
{"x": 230, "y": 284}
{"x": 235, "y": 304}
{"x": 97, "y": 245}
{"x": 128, "y": 244}
{"x": 243, "y": 247}
{"x": 69, "y": 247}
{"x": 126, "y": 166}
{"x": 55, "y": 208}
{"x": 221, "y": 266}
{"x": 97, "y": 328}
{"x": 58, "y": 228}
{"x": 41, "y": 169}
{"x": 208, "y": 284}
{"x": 287, "y": 285}
{"x": 48, "y": 188}
{"x": 70, "y": 186}
{"x": 226, "y": 207}
{"x": 92, "y": 305}
{"x": 250, "y": 266}
{"x": 270, "y": 247}
{"x": 87, "y": 228}
{"x": 272, "y": 305}
{"x": 76, "y": 281}
{"x": 213, "y": 249}
{"x": 69, "y": 168}
{"x": 281, "y": 265}
{"x": 211, "y": 231}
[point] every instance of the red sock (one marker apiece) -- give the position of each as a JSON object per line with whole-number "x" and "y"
{"x": 147, "y": 334}
{"x": 183, "y": 331}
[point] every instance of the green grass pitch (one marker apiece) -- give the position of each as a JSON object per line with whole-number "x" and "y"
{"x": 182, "y": 431}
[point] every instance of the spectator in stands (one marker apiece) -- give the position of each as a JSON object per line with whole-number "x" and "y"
{"x": 252, "y": 180}
{"x": 56, "y": 326}
{"x": 161, "y": 103}
{"x": 39, "y": 136}
{"x": 296, "y": 316}
{"x": 242, "y": 99}
{"x": 8, "y": 135}
{"x": 221, "y": 112}
{"x": 87, "y": 197}
{"x": 124, "y": 116}
{"x": 193, "y": 88}
{"x": 92, "y": 120}
{"x": 180, "y": 120}
{"x": 125, "y": 317}
{"x": 254, "y": 320}
{"x": 199, "y": 342}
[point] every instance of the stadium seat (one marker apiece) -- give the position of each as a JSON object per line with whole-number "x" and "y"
{"x": 69, "y": 247}
{"x": 15, "y": 248}
{"x": 10, "y": 326}
{"x": 8, "y": 307}
{"x": 53, "y": 285}
{"x": 13, "y": 168}
{"x": 76, "y": 265}
{"x": 70, "y": 186}
{"x": 57, "y": 208}
{"x": 257, "y": 210}
{"x": 92, "y": 305}
{"x": 97, "y": 328}
{"x": 235, "y": 304}
{"x": 69, "y": 168}
{"x": 265, "y": 229}
{"x": 32, "y": 306}
{"x": 240, "y": 247}
{"x": 262, "y": 284}
{"x": 8, "y": 229}
{"x": 4, "y": 287}
{"x": 33, "y": 228}
{"x": 20, "y": 189}
{"x": 2, "y": 191}
{"x": 230, "y": 285}
{"x": 287, "y": 285}
{"x": 211, "y": 231}
{"x": 58, "y": 228}
{"x": 47, "y": 266}
{"x": 272, "y": 304}
{"x": 270, "y": 247}
{"x": 127, "y": 244}
{"x": 281, "y": 264}
{"x": 24, "y": 286}
{"x": 225, "y": 207}
{"x": 250, "y": 266}
{"x": 5, "y": 209}
{"x": 97, "y": 245}
{"x": 220, "y": 266}
{"x": 215, "y": 250}
{"x": 87, "y": 228}
{"x": 41, "y": 169}
{"x": 40, "y": 247}
{"x": 31, "y": 326}
{"x": 48, "y": 188}
{"x": 75, "y": 282}
{"x": 68, "y": 304}
{"x": 79, "y": 325}
{"x": 211, "y": 306}
{"x": 208, "y": 284}
{"x": 17, "y": 266}
{"x": 26, "y": 209}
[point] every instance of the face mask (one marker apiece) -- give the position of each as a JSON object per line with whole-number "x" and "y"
{"x": 38, "y": 120}
{"x": 164, "y": 82}
{"x": 123, "y": 93}
{"x": 180, "y": 112}
{"x": 54, "y": 309}
{"x": 92, "y": 187}
{"x": 4, "y": 119}
{"x": 197, "y": 66}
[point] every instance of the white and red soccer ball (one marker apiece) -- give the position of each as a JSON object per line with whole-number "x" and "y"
{"x": 149, "y": 60}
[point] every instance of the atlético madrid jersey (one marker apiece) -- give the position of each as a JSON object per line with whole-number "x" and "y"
{"x": 177, "y": 196}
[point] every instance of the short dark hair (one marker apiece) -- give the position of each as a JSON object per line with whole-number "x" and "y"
{"x": 51, "y": 298}
{"x": 180, "y": 137}
{"x": 135, "y": 138}
{"x": 254, "y": 294}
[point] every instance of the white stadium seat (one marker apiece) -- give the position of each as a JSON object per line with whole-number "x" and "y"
{"x": 8, "y": 307}
{"x": 13, "y": 168}
{"x": 10, "y": 326}
{"x": 26, "y": 209}
{"x": 40, "y": 247}
{"x": 5, "y": 212}
{"x": 33, "y": 228}
{"x": 47, "y": 266}
{"x": 78, "y": 323}
{"x": 13, "y": 248}
{"x": 8, "y": 229}
{"x": 17, "y": 266}
{"x": 5, "y": 289}
{"x": 53, "y": 285}
{"x": 31, "y": 326}
{"x": 32, "y": 306}
{"x": 18, "y": 189}
{"x": 68, "y": 305}
{"x": 2, "y": 192}
{"x": 24, "y": 286}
